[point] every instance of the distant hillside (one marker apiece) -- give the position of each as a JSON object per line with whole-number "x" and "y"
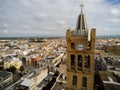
{"x": 109, "y": 36}
{"x": 17, "y": 38}
{"x": 49, "y": 37}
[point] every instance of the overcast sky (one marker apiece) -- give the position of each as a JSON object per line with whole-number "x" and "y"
{"x": 20, "y": 18}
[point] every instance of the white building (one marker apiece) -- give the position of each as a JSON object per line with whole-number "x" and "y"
{"x": 33, "y": 79}
{"x": 14, "y": 61}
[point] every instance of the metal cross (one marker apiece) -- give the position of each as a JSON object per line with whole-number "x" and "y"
{"x": 81, "y": 7}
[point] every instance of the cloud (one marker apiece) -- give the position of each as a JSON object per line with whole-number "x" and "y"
{"x": 25, "y": 2}
{"x": 115, "y": 11}
{"x": 116, "y": 20}
{"x": 41, "y": 14}
{"x": 39, "y": 17}
{"x": 42, "y": 17}
{"x": 5, "y": 25}
{"x": 26, "y": 26}
{"x": 62, "y": 22}
{"x": 5, "y": 31}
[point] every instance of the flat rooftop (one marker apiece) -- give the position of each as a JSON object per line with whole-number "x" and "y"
{"x": 59, "y": 86}
{"x": 109, "y": 80}
{"x": 4, "y": 74}
{"x": 27, "y": 82}
{"x": 45, "y": 81}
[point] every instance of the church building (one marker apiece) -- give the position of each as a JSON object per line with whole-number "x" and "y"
{"x": 80, "y": 55}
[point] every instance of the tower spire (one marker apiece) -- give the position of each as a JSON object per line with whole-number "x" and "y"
{"x": 81, "y": 25}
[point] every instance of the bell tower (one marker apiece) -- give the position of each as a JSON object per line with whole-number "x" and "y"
{"x": 80, "y": 55}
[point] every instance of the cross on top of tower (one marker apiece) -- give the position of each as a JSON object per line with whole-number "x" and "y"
{"x": 81, "y": 5}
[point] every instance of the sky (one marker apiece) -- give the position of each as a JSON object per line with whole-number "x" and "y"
{"x": 44, "y": 18}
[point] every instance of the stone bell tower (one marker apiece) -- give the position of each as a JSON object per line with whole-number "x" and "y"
{"x": 80, "y": 55}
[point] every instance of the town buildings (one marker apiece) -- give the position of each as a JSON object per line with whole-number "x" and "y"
{"x": 51, "y": 62}
{"x": 6, "y": 79}
{"x": 40, "y": 60}
{"x": 107, "y": 64}
{"x": 30, "y": 80}
{"x": 12, "y": 61}
{"x": 108, "y": 80}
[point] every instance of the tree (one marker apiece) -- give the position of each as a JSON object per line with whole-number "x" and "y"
{"x": 1, "y": 68}
{"x": 11, "y": 69}
{"x": 21, "y": 68}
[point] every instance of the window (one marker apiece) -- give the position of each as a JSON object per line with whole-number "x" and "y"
{"x": 73, "y": 61}
{"x": 88, "y": 45}
{"x": 72, "y": 46}
{"x": 87, "y": 61}
{"x": 84, "y": 82}
{"x": 79, "y": 62}
{"x": 74, "y": 82}
{"x": 79, "y": 33}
